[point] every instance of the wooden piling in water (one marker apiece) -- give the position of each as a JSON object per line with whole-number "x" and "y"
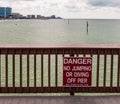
{"x": 87, "y": 27}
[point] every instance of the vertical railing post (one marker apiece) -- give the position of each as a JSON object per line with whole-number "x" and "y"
{"x": 118, "y": 73}
{"x": 97, "y": 73}
{"x": 105, "y": 59}
{"x": 72, "y": 92}
{"x": 28, "y": 70}
{"x": 49, "y": 79}
{"x": 111, "y": 72}
{"x": 13, "y": 64}
{"x": 0, "y": 68}
{"x": 20, "y": 70}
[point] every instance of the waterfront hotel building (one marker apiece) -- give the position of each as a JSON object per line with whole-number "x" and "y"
{"x": 5, "y": 12}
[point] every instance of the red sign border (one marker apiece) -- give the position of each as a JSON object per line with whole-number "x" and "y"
{"x": 76, "y": 86}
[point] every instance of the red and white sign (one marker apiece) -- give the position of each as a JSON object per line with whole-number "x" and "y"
{"x": 77, "y": 71}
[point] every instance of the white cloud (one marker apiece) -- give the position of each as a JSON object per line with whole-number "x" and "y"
{"x": 67, "y": 8}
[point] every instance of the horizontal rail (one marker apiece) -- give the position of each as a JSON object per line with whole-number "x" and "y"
{"x": 16, "y": 46}
{"x": 59, "y": 90}
{"x": 114, "y": 51}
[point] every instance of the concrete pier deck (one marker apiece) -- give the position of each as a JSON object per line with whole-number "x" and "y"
{"x": 60, "y": 100}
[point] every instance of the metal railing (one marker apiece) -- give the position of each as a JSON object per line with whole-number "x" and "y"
{"x": 38, "y": 69}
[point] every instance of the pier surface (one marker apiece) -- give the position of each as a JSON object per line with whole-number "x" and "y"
{"x": 60, "y": 100}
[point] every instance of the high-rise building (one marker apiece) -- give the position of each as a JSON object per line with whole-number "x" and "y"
{"x": 39, "y": 16}
{"x": 31, "y": 16}
{"x": 16, "y": 15}
{"x": 5, "y": 12}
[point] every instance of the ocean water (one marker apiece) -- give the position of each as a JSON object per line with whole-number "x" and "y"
{"x": 100, "y": 31}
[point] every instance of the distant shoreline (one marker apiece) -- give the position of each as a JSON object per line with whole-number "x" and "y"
{"x": 31, "y": 19}
{"x": 62, "y": 19}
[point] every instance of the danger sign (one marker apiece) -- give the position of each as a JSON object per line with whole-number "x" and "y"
{"x": 77, "y": 71}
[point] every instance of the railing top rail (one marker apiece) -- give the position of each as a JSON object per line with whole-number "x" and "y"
{"x": 108, "y": 46}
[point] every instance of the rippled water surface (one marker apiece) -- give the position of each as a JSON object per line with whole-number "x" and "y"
{"x": 60, "y": 32}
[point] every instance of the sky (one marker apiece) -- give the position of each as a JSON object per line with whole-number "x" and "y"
{"x": 105, "y": 9}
